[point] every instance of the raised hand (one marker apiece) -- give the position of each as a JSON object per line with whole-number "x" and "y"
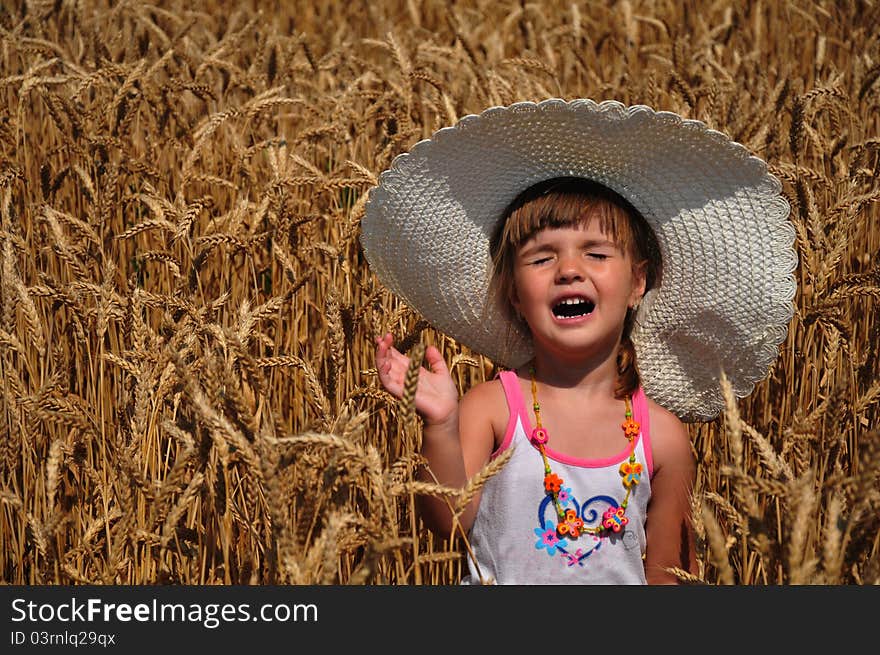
{"x": 436, "y": 396}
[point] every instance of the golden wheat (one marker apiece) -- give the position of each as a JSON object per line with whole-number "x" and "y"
{"x": 187, "y": 320}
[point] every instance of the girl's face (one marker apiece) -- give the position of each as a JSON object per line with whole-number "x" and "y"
{"x": 573, "y": 286}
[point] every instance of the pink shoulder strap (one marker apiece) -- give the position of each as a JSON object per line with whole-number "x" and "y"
{"x": 514, "y": 403}
{"x": 640, "y": 415}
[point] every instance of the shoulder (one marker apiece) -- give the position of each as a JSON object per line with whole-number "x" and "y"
{"x": 665, "y": 422}
{"x": 670, "y": 438}
{"x": 484, "y": 398}
{"x": 485, "y": 390}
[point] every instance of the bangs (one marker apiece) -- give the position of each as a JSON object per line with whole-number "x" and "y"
{"x": 564, "y": 202}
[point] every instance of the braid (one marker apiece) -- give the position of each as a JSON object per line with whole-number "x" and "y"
{"x": 628, "y": 379}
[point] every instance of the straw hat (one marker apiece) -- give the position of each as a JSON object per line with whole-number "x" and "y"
{"x": 727, "y": 289}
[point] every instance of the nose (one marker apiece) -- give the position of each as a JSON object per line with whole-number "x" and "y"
{"x": 568, "y": 269}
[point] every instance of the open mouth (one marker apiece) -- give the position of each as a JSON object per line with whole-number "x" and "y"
{"x": 573, "y": 308}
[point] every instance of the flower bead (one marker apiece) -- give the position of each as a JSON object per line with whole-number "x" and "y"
{"x": 571, "y": 525}
{"x": 552, "y": 482}
{"x": 613, "y": 519}
{"x": 631, "y": 472}
{"x": 630, "y": 428}
{"x": 539, "y": 435}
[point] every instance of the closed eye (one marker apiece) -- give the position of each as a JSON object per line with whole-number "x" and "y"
{"x": 597, "y": 255}
{"x": 541, "y": 260}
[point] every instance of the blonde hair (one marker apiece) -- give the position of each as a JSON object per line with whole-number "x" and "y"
{"x": 566, "y": 202}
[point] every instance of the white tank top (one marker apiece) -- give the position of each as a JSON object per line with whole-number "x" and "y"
{"x": 514, "y": 538}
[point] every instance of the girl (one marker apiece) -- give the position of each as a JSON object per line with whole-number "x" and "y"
{"x": 597, "y": 487}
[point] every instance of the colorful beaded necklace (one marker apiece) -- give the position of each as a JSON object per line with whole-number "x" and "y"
{"x": 614, "y": 518}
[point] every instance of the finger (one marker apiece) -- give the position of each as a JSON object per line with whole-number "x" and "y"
{"x": 384, "y": 347}
{"x": 435, "y": 360}
{"x": 381, "y": 355}
{"x": 389, "y": 376}
{"x": 393, "y": 363}
{"x": 398, "y": 357}
{"x": 388, "y": 364}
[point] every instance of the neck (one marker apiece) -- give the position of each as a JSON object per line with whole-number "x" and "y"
{"x": 595, "y": 373}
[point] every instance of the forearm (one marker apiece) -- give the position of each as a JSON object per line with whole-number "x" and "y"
{"x": 681, "y": 555}
{"x": 441, "y": 448}
{"x": 670, "y": 535}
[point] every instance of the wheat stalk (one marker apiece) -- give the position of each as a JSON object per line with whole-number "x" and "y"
{"x": 800, "y": 562}
{"x": 411, "y": 382}
{"x": 717, "y": 545}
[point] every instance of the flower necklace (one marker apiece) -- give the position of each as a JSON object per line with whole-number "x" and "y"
{"x": 614, "y": 518}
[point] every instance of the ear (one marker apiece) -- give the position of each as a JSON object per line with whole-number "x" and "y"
{"x": 640, "y": 277}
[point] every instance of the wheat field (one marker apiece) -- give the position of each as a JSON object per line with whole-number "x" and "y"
{"x": 187, "y": 319}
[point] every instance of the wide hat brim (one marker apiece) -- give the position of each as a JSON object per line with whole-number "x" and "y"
{"x": 721, "y": 221}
